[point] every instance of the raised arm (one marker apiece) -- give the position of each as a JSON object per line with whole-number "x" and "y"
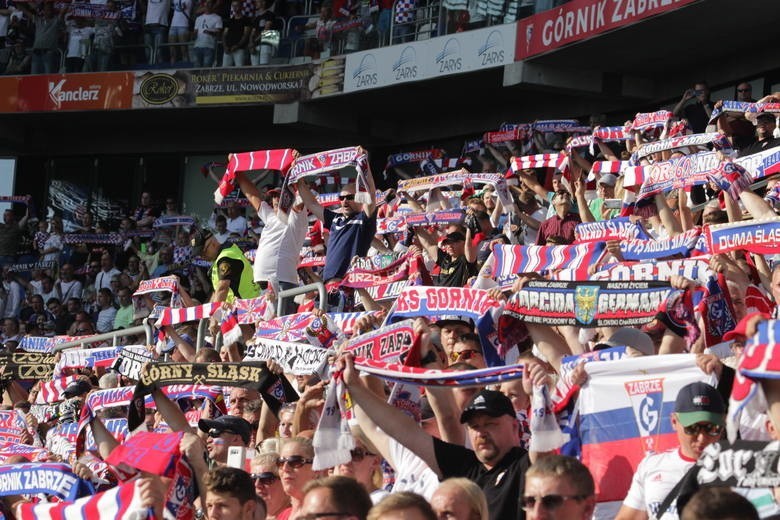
{"x": 310, "y": 201}
{"x": 370, "y": 207}
{"x": 582, "y": 204}
{"x": 531, "y": 181}
{"x": 428, "y": 241}
{"x": 171, "y": 412}
{"x": 672, "y": 225}
{"x": 756, "y": 206}
{"x": 391, "y": 420}
{"x": 250, "y": 190}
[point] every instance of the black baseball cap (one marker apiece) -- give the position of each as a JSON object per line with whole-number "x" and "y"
{"x": 489, "y": 402}
{"x": 228, "y": 423}
{"x": 765, "y": 115}
{"x": 75, "y": 388}
{"x": 455, "y": 236}
{"x": 700, "y": 402}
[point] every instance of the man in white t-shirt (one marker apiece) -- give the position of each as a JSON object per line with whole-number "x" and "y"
{"x": 279, "y": 248}
{"x": 236, "y": 222}
{"x": 208, "y": 27}
{"x": 698, "y": 419}
{"x": 67, "y": 286}
{"x": 79, "y": 34}
{"x": 155, "y": 26}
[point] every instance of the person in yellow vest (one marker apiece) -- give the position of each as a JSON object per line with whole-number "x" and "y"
{"x": 231, "y": 276}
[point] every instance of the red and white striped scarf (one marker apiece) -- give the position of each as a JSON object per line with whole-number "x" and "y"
{"x": 51, "y": 391}
{"x": 120, "y": 503}
{"x": 171, "y": 316}
{"x": 259, "y": 160}
{"x": 518, "y": 133}
{"x": 541, "y": 160}
{"x": 647, "y": 120}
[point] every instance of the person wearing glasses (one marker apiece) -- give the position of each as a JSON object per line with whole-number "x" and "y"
{"x": 352, "y": 227}
{"x": 496, "y": 463}
{"x": 268, "y": 485}
{"x": 334, "y": 497}
{"x": 295, "y": 469}
{"x": 363, "y": 467}
{"x": 223, "y": 432}
{"x": 558, "y": 487}
{"x": 699, "y": 420}
{"x": 468, "y": 348}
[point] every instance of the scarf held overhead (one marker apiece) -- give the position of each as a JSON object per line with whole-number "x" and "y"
{"x": 585, "y": 304}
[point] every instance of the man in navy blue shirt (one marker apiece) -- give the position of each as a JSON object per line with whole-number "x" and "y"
{"x": 352, "y": 227}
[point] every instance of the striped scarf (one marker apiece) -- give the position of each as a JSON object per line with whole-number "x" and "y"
{"x": 51, "y": 391}
{"x": 260, "y": 160}
{"x": 445, "y": 302}
{"x": 517, "y": 133}
{"x": 761, "y": 237}
{"x": 508, "y": 260}
{"x": 649, "y": 120}
{"x": 640, "y": 250}
{"x": 542, "y": 160}
{"x": 411, "y": 375}
{"x": 172, "y": 316}
{"x": 673, "y": 143}
{"x": 172, "y": 221}
{"x": 330, "y": 160}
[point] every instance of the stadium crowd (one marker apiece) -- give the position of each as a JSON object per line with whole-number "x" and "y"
{"x": 81, "y": 36}
{"x": 578, "y": 323}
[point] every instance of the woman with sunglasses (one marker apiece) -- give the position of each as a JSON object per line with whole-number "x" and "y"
{"x": 268, "y": 485}
{"x": 295, "y": 470}
{"x": 364, "y": 467}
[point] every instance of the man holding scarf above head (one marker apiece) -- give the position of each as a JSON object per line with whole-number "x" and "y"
{"x": 497, "y": 463}
{"x": 352, "y": 228}
{"x": 281, "y": 241}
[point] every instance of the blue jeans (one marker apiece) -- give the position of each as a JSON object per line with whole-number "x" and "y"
{"x": 202, "y": 57}
{"x": 154, "y": 36}
{"x": 100, "y": 59}
{"x": 44, "y": 61}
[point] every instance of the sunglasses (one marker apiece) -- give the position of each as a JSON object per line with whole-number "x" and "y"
{"x": 464, "y": 354}
{"x": 359, "y": 454}
{"x": 266, "y": 478}
{"x": 295, "y": 461}
{"x": 713, "y": 430}
{"x": 744, "y": 89}
{"x": 347, "y": 197}
{"x": 216, "y": 432}
{"x": 548, "y": 502}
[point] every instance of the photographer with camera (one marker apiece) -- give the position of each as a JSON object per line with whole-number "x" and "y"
{"x": 698, "y": 113}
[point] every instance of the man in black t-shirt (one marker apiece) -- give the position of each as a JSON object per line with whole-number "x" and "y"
{"x": 765, "y": 127}
{"x": 497, "y": 464}
{"x": 455, "y": 263}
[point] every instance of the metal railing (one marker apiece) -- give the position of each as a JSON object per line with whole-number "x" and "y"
{"x": 146, "y": 329}
{"x": 295, "y": 291}
{"x": 427, "y": 22}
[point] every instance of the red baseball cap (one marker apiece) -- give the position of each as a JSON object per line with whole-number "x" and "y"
{"x": 741, "y": 328}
